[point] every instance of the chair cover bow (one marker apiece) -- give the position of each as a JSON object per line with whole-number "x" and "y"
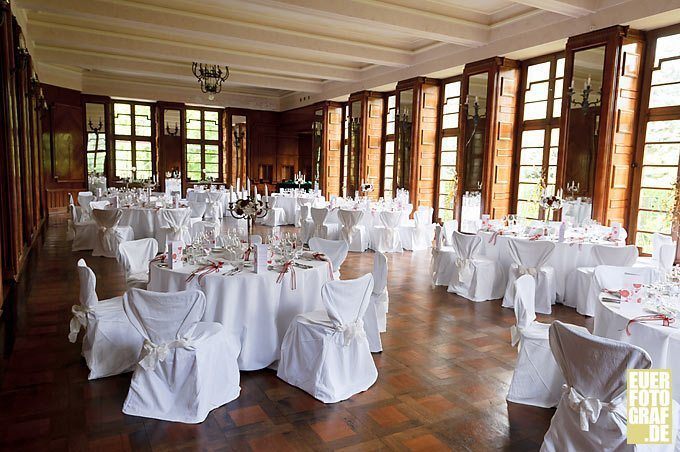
{"x": 152, "y": 353}
{"x": 465, "y": 271}
{"x": 590, "y": 408}
{"x": 78, "y": 320}
{"x": 515, "y": 334}
{"x": 523, "y": 270}
{"x": 351, "y": 331}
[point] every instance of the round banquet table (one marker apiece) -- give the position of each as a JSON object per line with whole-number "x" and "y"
{"x": 289, "y": 204}
{"x": 253, "y": 306}
{"x": 566, "y": 258}
{"x": 142, "y": 220}
{"x": 661, "y": 342}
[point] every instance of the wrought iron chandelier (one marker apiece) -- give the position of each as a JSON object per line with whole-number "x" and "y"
{"x": 210, "y": 76}
{"x": 585, "y": 103}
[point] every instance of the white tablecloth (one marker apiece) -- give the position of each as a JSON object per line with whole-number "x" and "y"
{"x": 253, "y": 306}
{"x": 565, "y": 259}
{"x": 661, "y": 342}
{"x": 142, "y": 220}
{"x": 289, "y": 204}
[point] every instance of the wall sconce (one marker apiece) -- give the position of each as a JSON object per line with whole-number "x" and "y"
{"x": 476, "y": 117}
{"x": 585, "y": 102}
{"x": 238, "y": 137}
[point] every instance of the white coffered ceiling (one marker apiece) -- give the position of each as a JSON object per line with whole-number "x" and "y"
{"x": 287, "y": 53}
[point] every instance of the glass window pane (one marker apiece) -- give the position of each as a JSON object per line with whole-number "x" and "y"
{"x": 536, "y": 92}
{"x": 662, "y": 154}
{"x": 449, "y": 144}
{"x": 656, "y": 199}
{"x": 644, "y": 241}
{"x": 527, "y": 209}
{"x": 663, "y": 131}
{"x": 533, "y": 138}
{"x": 530, "y": 174}
{"x": 659, "y": 177}
{"x": 560, "y": 68}
{"x": 654, "y": 221}
{"x": 531, "y": 156}
{"x": 539, "y": 71}
{"x": 664, "y": 95}
{"x": 535, "y": 110}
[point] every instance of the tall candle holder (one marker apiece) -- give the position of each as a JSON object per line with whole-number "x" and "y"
{"x": 250, "y": 209}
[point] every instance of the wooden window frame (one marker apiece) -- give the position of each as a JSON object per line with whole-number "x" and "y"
{"x": 388, "y": 138}
{"x": 647, "y": 115}
{"x": 133, "y": 137}
{"x": 446, "y": 133}
{"x": 547, "y": 124}
{"x": 203, "y": 142}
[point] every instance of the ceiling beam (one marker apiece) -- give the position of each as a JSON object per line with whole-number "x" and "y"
{"x": 571, "y": 8}
{"x": 412, "y": 21}
{"x": 101, "y": 61}
{"x": 165, "y": 19}
{"x": 61, "y": 35}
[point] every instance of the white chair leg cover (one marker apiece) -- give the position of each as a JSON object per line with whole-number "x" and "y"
{"x": 326, "y": 353}
{"x": 475, "y": 278}
{"x": 109, "y": 234}
{"x": 110, "y": 344}
{"x": 335, "y": 250}
{"x": 594, "y": 368}
{"x": 352, "y": 232}
{"x": 380, "y": 297}
{"x": 530, "y": 258}
{"x": 187, "y": 368}
{"x": 419, "y": 234}
{"x": 84, "y": 200}
{"x": 443, "y": 260}
{"x": 135, "y": 256}
{"x": 318, "y": 217}
{"x": 276, "y": 216}
{"x": 537, "y": 379}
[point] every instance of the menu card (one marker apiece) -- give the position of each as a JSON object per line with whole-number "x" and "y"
{"x": 175, "y": 252}
{"x": 485, "y": 221}
{"x": 261, "y": 255}
{"x": 616, "y": 230}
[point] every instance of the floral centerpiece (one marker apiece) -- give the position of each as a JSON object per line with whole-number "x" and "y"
{"x": 367, "y": 188}
{"x": 550, "y": 203}
{"x": 250, "y": 208}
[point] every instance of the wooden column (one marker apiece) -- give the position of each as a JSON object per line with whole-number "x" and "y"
{"x": 370, "y": 140}
{"x": 332, "y": 150}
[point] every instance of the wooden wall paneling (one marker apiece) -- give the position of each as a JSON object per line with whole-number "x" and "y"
{"x": 604, "y": 185}
{"x": 501, "y": 156}
{"x": 332, "y": 149}
{"x": 371, "y": 163}
{"x": 627, "y": 95}
{"x": 427, "y": 143}
{"x": 169, "y": 148}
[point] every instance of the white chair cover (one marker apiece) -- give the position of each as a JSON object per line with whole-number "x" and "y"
{"x": 135, "y": 256}
{"x": 419, "y": 235}
{"x": 474, "y": 277}
{"x": 335, "y": 250}
{"x": 663, "y": 250}
{"x": 110, "y": 344}
{"x": 443, "y": 259}
{"x": 110, "y": 234}
{"x": 319, "y": 215}
{"x": 174, "y": 225}
{"x": 186, "y": 367}
{"x": 84, "y": 200}
{"x": 612, "y": 277}
{"x": 352, "y": 232}
{"x": 375, "y": 319}
{"x": 84, "y": 232}
{"x": 215, "y": 205}
{"x": 276, "y": 216}
{"x": 99, "y": 205}
{"x": 591, "y": 414}
{"x": 449, "y": 227}
{"x": 301, "y": 217}
{"x": 387, "y": 238}
{"x": 537, "y": 380}
{"x": 326, "y": 353}
{"x": 530, "y": 258}
{"x": 306, "y": 223}
{"x": 197, "y": 209}
{"x": 577, "y": 289}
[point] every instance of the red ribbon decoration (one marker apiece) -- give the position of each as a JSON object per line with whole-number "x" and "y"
{"x": 494, "y": 236}
{"x": 650, "y": 318}
{"x": 323, "y": 257}
{"x": 162, "y": 257}
{"x": 205, "y": 270}
{"x": 288, "y": 265}
{"x": 246, "y": 255}
{"x": 535, "y": 237}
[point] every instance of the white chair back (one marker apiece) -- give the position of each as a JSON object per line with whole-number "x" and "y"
{"x": 84, "y": 199}
{"x": 467, "y": 246}
{"x": 70, "y": 199}
{"x": 319, "y": 215}
{"x": 349, "y": 219}
{"x": 658, "y": 241}
{"x": 438, "y": 237}
{"x": 622, "y": 256}
{"x": 88, "y": 285}
{"x": 346, "y": 301}
{"x": 525, "y": 295}
{"x": 94, "y": 205}
{"x": 335, "y": 250}
{"x": 164, "y": 317}
{"x": 197, "y": 209}
{"x": 135, "y": 255}
{"x": 612, "y": 277}
{"x": 107, "y": 218}
{"x": 666, "y": 256}
{"x": 530, "y": 255}
{"x": 391, "y": 219}
{"x": 175, "y": 222}
{"x": 379, "y": 273}
{"x": 594, "y": 367}
{"x": 304, "y": 212}
{"x": 449, "y": 227}
{"x": 256, "y": 239}
{"x": 423, "y": 216}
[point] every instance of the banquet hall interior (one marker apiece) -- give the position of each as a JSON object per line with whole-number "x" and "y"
{"x": 336, "y": 224}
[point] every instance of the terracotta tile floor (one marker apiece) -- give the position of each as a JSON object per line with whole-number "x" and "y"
{"x": 443, "y": 378}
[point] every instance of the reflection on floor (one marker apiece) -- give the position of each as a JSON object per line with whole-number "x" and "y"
{"x": 442, "y": 384}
